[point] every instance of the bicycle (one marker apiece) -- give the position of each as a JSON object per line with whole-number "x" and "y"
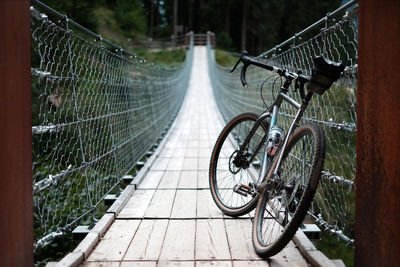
{"x": 280, "y": 180}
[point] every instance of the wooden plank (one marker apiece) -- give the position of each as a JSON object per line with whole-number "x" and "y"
{"x": 137, "y": 205}
{"x": 151, "y": 180}
{"x": 204, "y": 164}
{"x": 189, "y": 164}
{"x": 182, "y": 143}
{"x": 147, "y": 243}
{"x": 167, "y": 152}
{"x": 205, "y": 152}
{"x": 239, "y": 238}
{"x": 185, "y": 204}
{"x": 176, "y": 264}
{"x": 172, "y": 142}
{"x": 71, "y": 259}
{"x": 179, "y": 240}
{"x": 193, "y": 143}
{"x": 161, "y": 204}
{"x": 211, "y": 242}
{"x": 188, "y": 179}
{"x": 100, "y": 263}
{"x": 191, "y": 152}
{"x": 214, "y": 263}
{"x": 289, "y": 256}
{"x": 175, "y": 164}
{"x": 170, "y": 179}
{"x": 137, "y": 263}
{"x": 115, "y": 242}
{"x": 206, "y": 207}
{"x": 16, "y": 224}
{"x": 160, "y": 164}
{"x": 203, "y": 137}
{"x": 179, "y": 153}
{"x": 203, "y": 180}
{"x": 206, "y": 144}
{"x": 252, "y": 263}
{"x": 121, "y": 201}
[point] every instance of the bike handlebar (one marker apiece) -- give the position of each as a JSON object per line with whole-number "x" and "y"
{"x": 248, "y": 60}
{"x": 324, "y": 72}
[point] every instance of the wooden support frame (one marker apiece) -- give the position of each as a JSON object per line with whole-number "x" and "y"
{"x": 377, "y": 234}
{"x": 16, "y": 206}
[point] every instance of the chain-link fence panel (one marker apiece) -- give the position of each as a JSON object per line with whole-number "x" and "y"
{"x": 334, "y": 37}
{"x": 96, "y": 111}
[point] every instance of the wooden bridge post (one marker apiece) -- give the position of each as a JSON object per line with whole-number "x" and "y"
{"x": 377, "y": 229}
{"x": 16, "y": 222}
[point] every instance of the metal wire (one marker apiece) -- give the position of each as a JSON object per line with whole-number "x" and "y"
{"x": 96, "y": 111}
{"x": 335, "y": 111}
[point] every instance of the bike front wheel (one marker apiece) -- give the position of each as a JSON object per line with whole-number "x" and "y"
{"x": 289, "y": 194}
{"x": 228, "y": 169}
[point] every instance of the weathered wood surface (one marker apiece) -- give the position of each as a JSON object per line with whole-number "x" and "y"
{"x": 171, "y": 219}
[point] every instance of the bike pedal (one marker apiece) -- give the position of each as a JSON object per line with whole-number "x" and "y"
{"x": 243, "y": 190}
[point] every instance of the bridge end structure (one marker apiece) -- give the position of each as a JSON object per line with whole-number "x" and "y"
{"x": 16, "y": 224}
{"x": 378, "y": 150}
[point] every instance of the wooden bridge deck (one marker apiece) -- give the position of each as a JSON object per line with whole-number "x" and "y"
{"x": 171, "y": 219}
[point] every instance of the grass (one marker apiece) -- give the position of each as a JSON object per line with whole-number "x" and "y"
{"x": 165, "y": 57}
{"x": 109, "y": 29}
{"x": 224, "y": 58}
{"x": 335, "y": 249}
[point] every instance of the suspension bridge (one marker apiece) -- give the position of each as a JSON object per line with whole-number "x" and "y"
{"x": 103, "y": 115}
{"x": 121, "y": 146}
{"x": 171, "y": 219}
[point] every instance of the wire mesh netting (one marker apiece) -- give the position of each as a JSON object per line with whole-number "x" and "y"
{"x": 335, "y": 111}
{"x": 96, "y": 111}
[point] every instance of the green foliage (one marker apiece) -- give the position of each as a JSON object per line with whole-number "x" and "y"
{"x": 131, "y": 17}
{"x": 336, "y": 249}
{"x": 56, "y": 250}
{"x": 79, "y": 11}
{"x": 166, "y": 57}
{"x": 224, "y": 41}
{"x": 108, "y": 26}
{"x": 224, "y": 58}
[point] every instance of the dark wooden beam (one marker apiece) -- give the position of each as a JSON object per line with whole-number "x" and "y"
{"x": 377, "y": 229}
{"x": 16, "y": 223}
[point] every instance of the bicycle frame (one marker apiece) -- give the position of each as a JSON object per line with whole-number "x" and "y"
{"x": 273, "y": 113}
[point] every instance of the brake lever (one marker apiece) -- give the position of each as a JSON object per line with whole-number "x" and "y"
{"x": 237, "y": 63}
{"x": 244, "y": 68}
{"x": 244, "y": 53}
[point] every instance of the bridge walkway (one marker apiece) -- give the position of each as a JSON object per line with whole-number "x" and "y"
{"x": 171, "y": 219}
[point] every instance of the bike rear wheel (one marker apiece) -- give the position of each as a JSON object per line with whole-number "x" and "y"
{"x": 288, "y": 196}
{"x": 224, "y": 174}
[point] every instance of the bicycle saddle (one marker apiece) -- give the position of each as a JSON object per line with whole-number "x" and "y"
{"x": 324, "y": 73}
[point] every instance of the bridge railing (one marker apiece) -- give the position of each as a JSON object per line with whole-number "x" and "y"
{"x": 181, "y": 40}
{"x": 96, "y": 111}
{"x": 336, "y": 37}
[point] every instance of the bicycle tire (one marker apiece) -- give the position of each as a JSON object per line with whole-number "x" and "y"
{"x": 222, "y": 178}
{"x": 286, "y": 199}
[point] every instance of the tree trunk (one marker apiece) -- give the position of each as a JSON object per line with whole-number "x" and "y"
{"x": 190, "y": 22}
{"x": 228, "y": 19}
{"x": 244, "y": 26}
{"x": 175, "y": 17}
{"x": 151, "y": 18}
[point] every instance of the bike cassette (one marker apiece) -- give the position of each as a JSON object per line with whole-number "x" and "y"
{"x": 244, "y": 190}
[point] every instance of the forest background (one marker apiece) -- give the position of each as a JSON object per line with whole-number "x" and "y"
{"x": 255, "y": 25}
